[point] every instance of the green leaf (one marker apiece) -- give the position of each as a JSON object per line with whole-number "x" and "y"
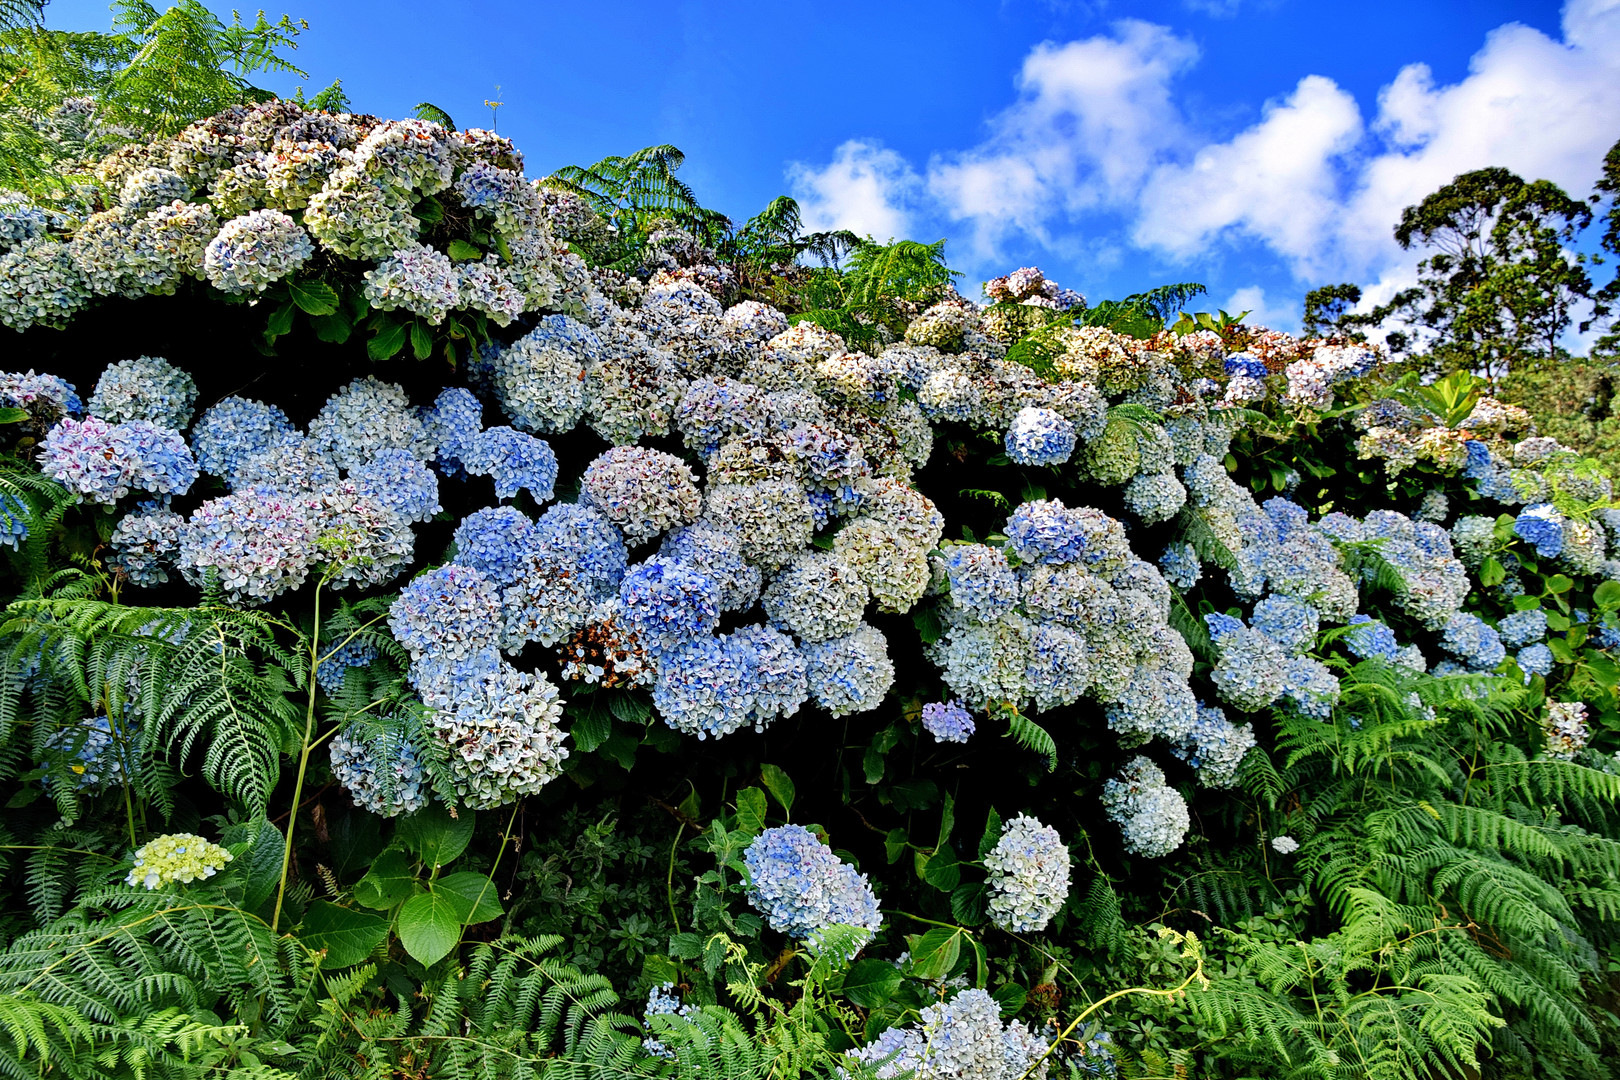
{"x": 473, "y": 895}
{"x": 1559, "y": 583}
{"x": 1556, "y": 621}
{"x": 435, "y": 836}
{"x": 1491, "y": 572}
{"x": 280, "y": 322}
{"x": 257, "y": 848}
{"x": 13, "y": 416}
{"x": 968, "y": 903}
{"x": 872, "y": 764}
{"x": 387, "y": 341}
{"x": 780, "y": 786}
{"x": 630, "y": 707}
{"x": 334, "y": 328}
{"x": 429, "y": 927}
{"x": 592, "y": 724}
{"x": 936, "y": 953}
{"x": 314, "y": 297}
{"x": 1011, "y": 998}
{"x": 871, "y": 983}
{"x": 894, "y": 844}
{"x": 942, "y": 871}
{"x": 947, "y": 820}
{"x": 992, "y": 833}
{"x": 928, "y": 624}
{"x": 751, "y": 809}
{"x": 461, "y": 251}
{"x": 421, "y": 340}
{"x": 347, "y": 935}
{"x": 1607, "y": 596}
{"x": 389, "y": 881}
{"x": 1561, "y": 650}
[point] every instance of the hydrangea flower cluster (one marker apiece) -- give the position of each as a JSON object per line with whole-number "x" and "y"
{"x": 380, "y": 771}
{"x": 98, "y": 757}
{"x": 145, "y": 544}
{"x": 1151, "y": 814}
{"x": 1028, "y": 875}
{"x": 104, "y": 462}
{"x": 801, "y": 887}
{"x": 960, "y": 1039}
{"x": 176, "y": 857}
{"x": 947, "y": 721}
{"x": 1564, "y": 723}
{"x": 146, "y": 388}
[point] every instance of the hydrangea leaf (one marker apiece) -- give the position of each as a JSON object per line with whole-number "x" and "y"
{"x": 347, "y": 935}
{"x": 472, "y": 894}
{"x": 936, "y": 952}
{"x": 313, "y": 297}
{"x": 751, "y": 810}
{"x": 435, "y": 836}
{"x": 871, "y": 983}
{"x": 429, "y": 926}
{"x": 779, "y": 785}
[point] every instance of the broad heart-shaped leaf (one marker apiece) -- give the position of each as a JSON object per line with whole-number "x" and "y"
{"x": 473, "y": 895}
{"x": 435, "y": 836}
{"x": 936, "y": 953}
{"x": 347, "y": 935}
{"x": 429, "y": 927}
{"x": 1607, "y": 595}
{"x": 870, "y": 983}
{"x": 389, "y": 881}
{"x": 780, "y": 786}
{"x": 751, "y": 810}
{"x": 968, "y": 903}
{"x": 314, "y": 297}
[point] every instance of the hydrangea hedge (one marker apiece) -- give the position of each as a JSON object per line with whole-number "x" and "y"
{"x": 959, "y": 684}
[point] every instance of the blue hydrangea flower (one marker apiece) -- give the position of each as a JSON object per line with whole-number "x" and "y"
{"x": 1369, "y": 638}
{"x": 515, "y": 461}
{"x": 1151, "y": 815}
{"x": 1468, "y": 638}
{"x": 1181, "y": 566}
{"x": 666, "y": 602}
{"x": 13, "y": 522}
{"x": 983, "y": 584}
{"x": 104, "y": 462}
{"x": 1040, "y": 437}
{"x": 146, "y": 388}
{"x": 587, "y": 540}
{"x": 1543, "y": 527}
{"x": 1028, "y": 875}
{"x": 1535, "y": 660}
{"x": 1311, "y": 687}
{"x": 851, "y": 673}
{"x": 354, "y": 654}
{"x": 1215, "y": 747}
{"x": 381, "y": 771}
{"x": 254, "y": 544}
{"x": 960, "y": 1039}
{"x": 495, "y": 541}
{"x": 236, "y": 429}
{"x": 99, "y": 759}
{"x": 1246, "y": 365}
{"x": 49, "y": 396}
{"x": 1046, "y": 531}
{"x": 453, "y": 423}
{"x": 452, "y": 613}
{"x": 716, "y": 552}
{"x": 144, "y": 543}
{"x": 399, "y": 480}
{"x": 717, "y": 685}
{"x": 1522, "y": 628}
{"x": 801, "y": 887}
{"x": 947, "y": 721}
{"x": 1286, "y": 621}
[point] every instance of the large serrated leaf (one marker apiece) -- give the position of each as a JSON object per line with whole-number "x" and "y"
{"x": 347, "y": 935}
{"x": 871, "y": 983}
{"x": 591, "y": 725}
{"x": 472, "y": 894}
{"x": 435, "y": 836}
{"x": 779, "y": 785}
{"x": 313, "y": 297}
{"x": 461, "y": 251}
{"x": 751, "y": 809}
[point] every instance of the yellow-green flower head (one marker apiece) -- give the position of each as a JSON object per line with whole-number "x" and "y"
{"x": 177, "y": 857}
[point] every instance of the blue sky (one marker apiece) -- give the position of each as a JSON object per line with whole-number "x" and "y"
{"x": 1259, "y": 146}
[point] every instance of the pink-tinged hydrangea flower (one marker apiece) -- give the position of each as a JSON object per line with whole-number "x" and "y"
{"x": 644, "y": 492}
{"x": 254, "y": 545}
{"x": 416, "y": 278}
{"x": 256, "y": 250}
{"x": 105, "y": 462}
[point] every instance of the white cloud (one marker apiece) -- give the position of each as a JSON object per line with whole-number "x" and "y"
{"x": 1090, "y": 120}
{"x": 1252, "y": 298}
{"x": 1275, "y": 181}
{"x": 1096, "y": 153}
{"x": 865, "y": 188}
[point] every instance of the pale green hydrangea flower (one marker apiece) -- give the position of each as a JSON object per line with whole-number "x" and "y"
{"x": 177, "y": 857}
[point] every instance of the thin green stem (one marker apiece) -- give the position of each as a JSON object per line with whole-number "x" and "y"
{"x": 669, "y": 879}
{"x": 303, "y": 762}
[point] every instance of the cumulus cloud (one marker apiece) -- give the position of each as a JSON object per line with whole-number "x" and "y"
{"x": 1096, "y": 153}
{"x": 1091, "y": 119}
{"x": 865, "y": 188}
{"x": 1262, "y": 311}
